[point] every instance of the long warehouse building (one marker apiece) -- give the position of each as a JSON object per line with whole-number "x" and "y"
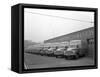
{"x": 85, "y": 34}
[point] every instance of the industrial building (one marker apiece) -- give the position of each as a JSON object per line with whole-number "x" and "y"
{"x": 86, "y": 34}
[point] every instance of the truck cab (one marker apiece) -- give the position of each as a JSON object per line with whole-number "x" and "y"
{"x": 60, "y": 51}
{"x": 50, "y": 51}
{"x": 76, "y": 49}
{"x": 43, "y": 51}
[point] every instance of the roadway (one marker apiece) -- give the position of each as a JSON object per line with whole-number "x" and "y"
{"x": 33, "y": 61}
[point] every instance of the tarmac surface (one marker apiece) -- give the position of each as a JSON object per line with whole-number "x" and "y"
{"x": 33, "y": 61}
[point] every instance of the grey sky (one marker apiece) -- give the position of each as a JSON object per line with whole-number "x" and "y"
{"x": 43, "y": 24}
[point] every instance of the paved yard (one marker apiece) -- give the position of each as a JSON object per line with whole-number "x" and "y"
{"x": 33, "y": 61}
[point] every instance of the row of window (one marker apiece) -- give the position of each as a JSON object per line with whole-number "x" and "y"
{"x": 84, "y": 34}
{"x": 78, "y": 35}
{"x": 90, "y": 41}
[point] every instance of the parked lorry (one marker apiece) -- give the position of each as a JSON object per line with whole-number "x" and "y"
{"x": 43, "y": 51}
{"x": 76, "y": 49}
{"x": 60, "y": 51}
{"x": 50, "y": 51}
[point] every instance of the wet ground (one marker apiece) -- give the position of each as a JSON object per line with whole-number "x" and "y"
{"x": 32, "y": 61}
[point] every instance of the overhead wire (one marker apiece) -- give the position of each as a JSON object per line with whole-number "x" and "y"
{"x": 60, "y": 17}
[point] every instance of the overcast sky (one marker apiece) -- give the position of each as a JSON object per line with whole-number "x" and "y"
{"x": 43, "y": 24}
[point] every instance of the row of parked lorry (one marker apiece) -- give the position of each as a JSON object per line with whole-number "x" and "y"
{"x": 70, "y": 50}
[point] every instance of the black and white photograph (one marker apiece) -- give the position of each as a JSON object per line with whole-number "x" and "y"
{"x": 58, "y": 38}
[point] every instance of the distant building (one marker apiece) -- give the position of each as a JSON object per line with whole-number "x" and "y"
{"x": 86, "y": 34}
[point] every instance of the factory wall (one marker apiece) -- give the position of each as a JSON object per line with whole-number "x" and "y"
{"x": 86, "y": 34}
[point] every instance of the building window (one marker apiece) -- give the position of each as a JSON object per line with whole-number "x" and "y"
{"x": 90, "y": 41}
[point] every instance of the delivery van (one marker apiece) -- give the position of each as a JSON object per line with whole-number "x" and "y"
{"x": 76, "y": 49}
